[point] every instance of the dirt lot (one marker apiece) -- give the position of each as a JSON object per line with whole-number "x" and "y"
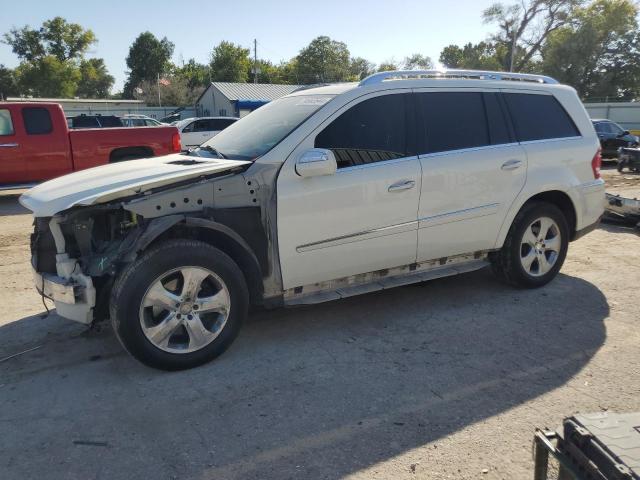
{"x": 446, "y": 379}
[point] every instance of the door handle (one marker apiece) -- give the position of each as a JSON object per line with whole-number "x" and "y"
{"x": 402, "y": 185}
{"x": 511, "y": 164}
{"x": 9, "y": 145}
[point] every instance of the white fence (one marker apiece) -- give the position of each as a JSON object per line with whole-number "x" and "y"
{"x": 626, "y": 114}
{"x": 153, "y": 112}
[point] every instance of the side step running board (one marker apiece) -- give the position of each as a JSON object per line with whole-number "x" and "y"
{"x": 384, "y": 283}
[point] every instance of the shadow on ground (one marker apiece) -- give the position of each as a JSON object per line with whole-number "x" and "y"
{"x": 315, "y": 392}
{"x": 9, "y": 204}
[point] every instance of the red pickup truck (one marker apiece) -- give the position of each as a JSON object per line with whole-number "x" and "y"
{"x": 36, "y": 144}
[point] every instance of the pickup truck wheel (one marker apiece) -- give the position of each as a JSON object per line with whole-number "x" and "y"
{"x": 535, "y": 247}
{"x": 179, "y": 305}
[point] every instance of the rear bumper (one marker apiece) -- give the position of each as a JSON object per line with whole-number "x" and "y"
{"x": 74, "y": 299}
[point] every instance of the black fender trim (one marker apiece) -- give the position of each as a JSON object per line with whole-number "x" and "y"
{"x": 241, "y": 251}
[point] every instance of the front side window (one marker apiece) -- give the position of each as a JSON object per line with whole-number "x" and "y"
{"x": 37, "y": 120}
{"x": 455, "y": 121}
{"x": 189, "y": 128}
{"x": 6, "y": 124}
{"x": 371, "y": 131}
{"x": 539, "y": 117}
{"x": 615, "y": 128}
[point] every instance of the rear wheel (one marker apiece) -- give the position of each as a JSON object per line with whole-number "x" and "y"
{"x": 180, "y": 305}
{"x": 535, "y": 247}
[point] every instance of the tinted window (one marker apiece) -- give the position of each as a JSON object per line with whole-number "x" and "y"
{"x": 110, "y": 122}
{"x": 452, "y": 121}
{"x": 85, "y": 122}
{"x": 189, "y": 128}
{"x": 202, "y": 126}
{"x": 371, "y": 131}
{"x": 538, "y": 117}
{"x": 615, "y": 128}
{"x": 601, "y": 127}
{"x": 37, "y": 120}
{"x": 221, "y": 123}
{"x": 499, "y": 131}
{"x": 6, "y": 125}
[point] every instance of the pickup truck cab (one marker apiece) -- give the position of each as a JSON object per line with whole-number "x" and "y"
{"x": 323, "y": 194}
{"x": 36, "y": 144}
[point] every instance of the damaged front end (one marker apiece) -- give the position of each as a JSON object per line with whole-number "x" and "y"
{"x": 621, "y": 209}
{"x": 74, "y": 256}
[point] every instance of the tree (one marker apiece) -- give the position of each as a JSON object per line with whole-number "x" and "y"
{"x": 8, "y": 86}
{"x": 95, "y": 81}
{"x": 148, "y": 58}
{"x": 194, "y": 74}
{"x": 230, "y": 63}
{"x": 65, "y": 41}
{"x": 360, "y": 68}
{"x": 52, "y": 61}
{"x": 175, "y": 91}
{"x": 388, "y": 66}
{"x": 48, "y": 77}
{"x": 323, "y": 60}
{"x": 599, "y": 54}
{"x": 526, "y": 26}
{"x": 417, "y": 61}
{"x": 481, "y": 56}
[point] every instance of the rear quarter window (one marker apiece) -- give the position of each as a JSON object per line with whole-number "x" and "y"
{"x": 539, "y": 117}
{"x": 37, "y": 120}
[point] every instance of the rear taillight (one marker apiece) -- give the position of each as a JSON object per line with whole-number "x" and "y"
{"x": 175, "y": 142}
{"x": 596, "y": 163}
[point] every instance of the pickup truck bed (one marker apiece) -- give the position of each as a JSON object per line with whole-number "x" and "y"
{"x": 36, "y": 144}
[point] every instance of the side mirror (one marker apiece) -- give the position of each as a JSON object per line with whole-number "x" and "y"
{"x": 316, "y": 162}
{"x": 626, "y": 132}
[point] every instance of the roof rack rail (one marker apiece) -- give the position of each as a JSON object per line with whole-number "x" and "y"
{"x": 468, "y": 74}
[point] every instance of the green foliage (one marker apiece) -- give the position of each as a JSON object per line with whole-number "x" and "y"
{"x": 48, "y": 77}
{"x": 193, "y": 73}
{"x": 599, "y": 54}
{"x": 388, "y": 66}
{"x": 8, "y": 86}
{"x": 230, "y": 63}
{"x": 65, "y": 41}
{"x": 53, "y": 64}
{"x": 360, "y": 68}
{"x": 177, "y": 92}
{"x": 148, "y": 57}
{"x": 417, "y": 61}
{"x": 481, "y": 56}
{"x": 323, "y": 60}
{"x": 95, "y": 81}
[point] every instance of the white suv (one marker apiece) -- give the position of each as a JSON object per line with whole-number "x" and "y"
{"x": 325, "y": 193}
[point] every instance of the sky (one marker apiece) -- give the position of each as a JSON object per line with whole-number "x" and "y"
{"x": 377, "y": 30}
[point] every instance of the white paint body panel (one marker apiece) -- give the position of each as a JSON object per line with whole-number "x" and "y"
{"x": 316, "y": 214}
{"x": 465, "y": 198}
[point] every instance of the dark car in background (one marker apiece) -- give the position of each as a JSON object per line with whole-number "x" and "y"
{"x": 94, "y": 121}
{"x": 612, "y": 137}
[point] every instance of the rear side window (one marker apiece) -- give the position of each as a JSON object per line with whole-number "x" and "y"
{"x": 37, "y": 120}
{"x": 221, "y": 123}
{"x": 539, "y": 117}
{"x": 458, "y": 120}
{"x": 6, "y": 125}
{"x": 371, "y": 131}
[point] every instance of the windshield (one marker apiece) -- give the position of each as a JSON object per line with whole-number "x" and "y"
{"x": 261, "y": 130}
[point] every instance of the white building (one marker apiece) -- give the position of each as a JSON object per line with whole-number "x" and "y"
{"x": 228, "y": 99}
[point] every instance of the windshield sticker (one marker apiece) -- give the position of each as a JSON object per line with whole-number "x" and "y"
{"x": 313, "y": 100}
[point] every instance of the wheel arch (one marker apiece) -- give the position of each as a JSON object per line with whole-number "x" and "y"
{"x": 216, "y": 235}
{"x": 559, "y": 198}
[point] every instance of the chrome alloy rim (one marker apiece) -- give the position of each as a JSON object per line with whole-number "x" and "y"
{"x": 540, "y": 246}
{"x": 185, "y": 309}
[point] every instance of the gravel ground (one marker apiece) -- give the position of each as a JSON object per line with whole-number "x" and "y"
{"x": 446, "y": 379}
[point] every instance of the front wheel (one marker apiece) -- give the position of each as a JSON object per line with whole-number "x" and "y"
{"x": 535, "y": 247}
{"x": 179, "y": 305}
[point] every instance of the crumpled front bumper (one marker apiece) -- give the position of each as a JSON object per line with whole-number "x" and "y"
{"x": 74, "y": 298}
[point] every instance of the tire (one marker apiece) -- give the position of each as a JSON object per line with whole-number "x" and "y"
{"x": 509, "y": 264}
{"x": 620, "y": 166}
{"x": 211, "y": 303}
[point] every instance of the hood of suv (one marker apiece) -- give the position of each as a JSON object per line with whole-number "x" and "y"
{"x": 116, "y": 180}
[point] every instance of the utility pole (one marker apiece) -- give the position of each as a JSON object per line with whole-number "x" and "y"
{"x": 255, "y": 60}
{"x": 513, "y": 48}
{"x": 158, "y": 85}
